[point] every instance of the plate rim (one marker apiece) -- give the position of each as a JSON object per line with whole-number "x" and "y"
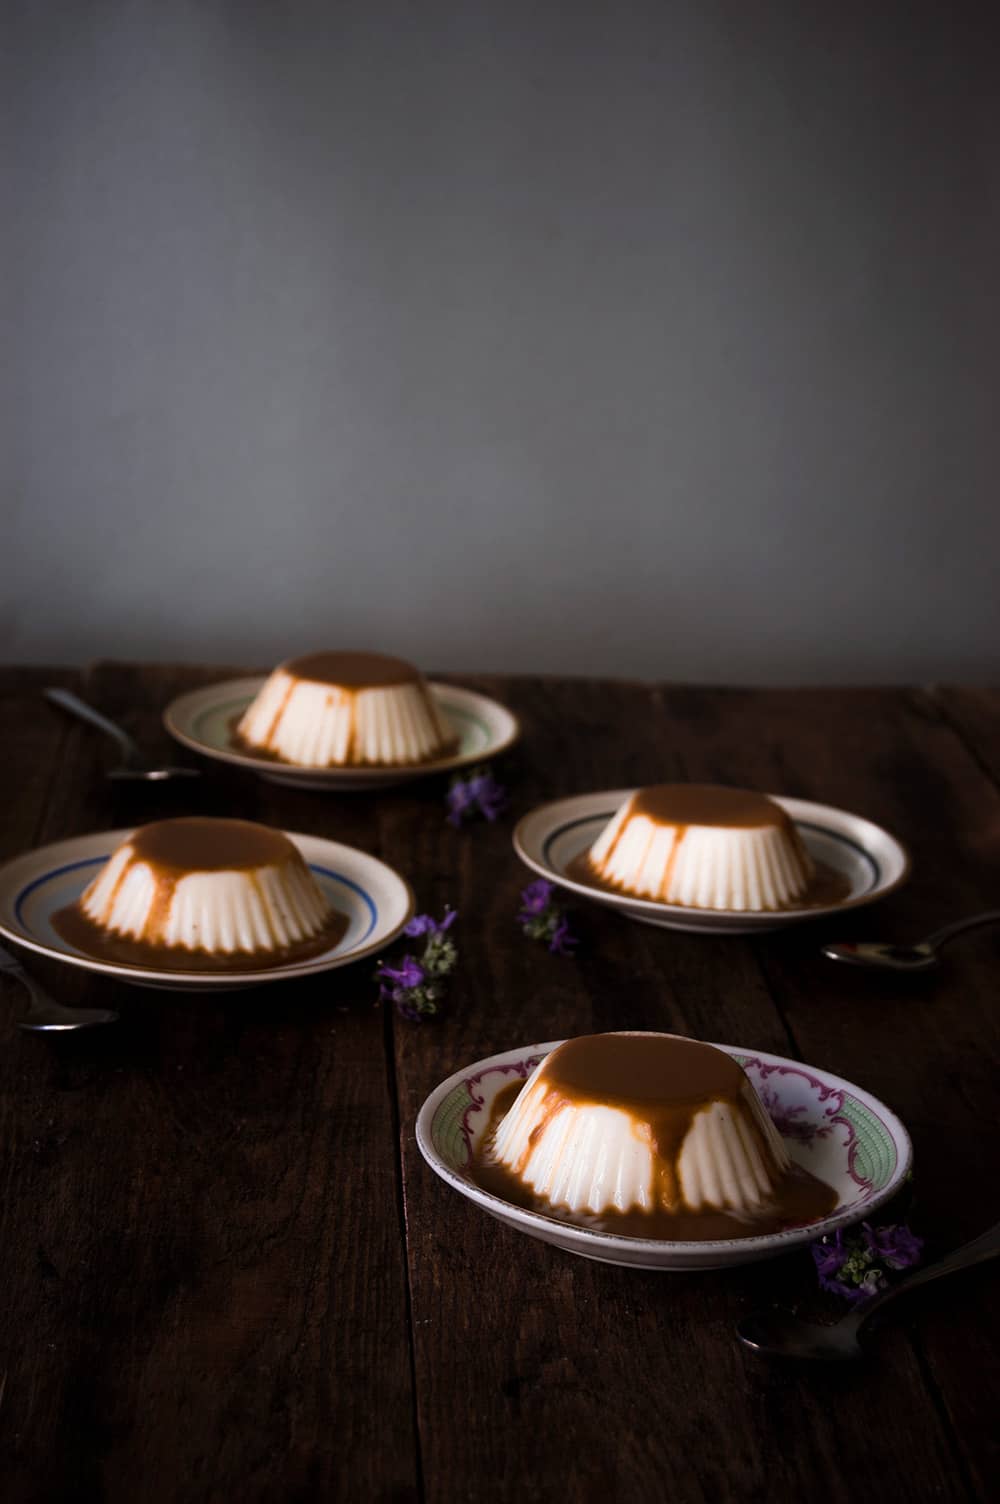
{"x": 753, "y": 919}
{"x": 778, "y": 1242}
{"x": 189, "y": 702}
{"x": 197, "y": 980}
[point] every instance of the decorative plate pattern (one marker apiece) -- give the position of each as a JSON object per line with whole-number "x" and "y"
{"x": 839, "y": 1131}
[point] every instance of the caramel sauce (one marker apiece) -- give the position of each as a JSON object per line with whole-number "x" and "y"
{"x": 686, "y": 805}
{"x": 352, "y": 670}
{"x": 662, "y": 1082}
{"x": 201, "y": 843}
{"x": 350, "y": 674}
{"x": 174, "y": 849}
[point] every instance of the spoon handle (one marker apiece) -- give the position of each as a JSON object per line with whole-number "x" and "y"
{"x": 84, "y": 712}
{"x": 44, "y": 1013}
{"x": 949, "y": 931}
{"x": 986, "y": 1246}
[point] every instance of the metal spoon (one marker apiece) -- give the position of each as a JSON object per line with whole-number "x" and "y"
{"x": 44, "y": 1012}
{"x": 920, "y": 957}
{"x": 779, "y": 1334}
{"x": 131, "y": 767}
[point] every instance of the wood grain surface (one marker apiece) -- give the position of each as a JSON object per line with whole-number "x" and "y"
{"x": 228, "y": 1274}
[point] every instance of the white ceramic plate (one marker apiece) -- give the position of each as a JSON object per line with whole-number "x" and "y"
{"x": 202, "y": 720}
{"x": 838, "y": 1131}
{"x": 871, "y": 859}
{"x": 375, "y": 899}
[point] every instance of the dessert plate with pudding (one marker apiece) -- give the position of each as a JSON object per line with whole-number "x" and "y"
{"x": 659, "y": 1152}
{"x": 692, "y": 856}
{"x": 202, "y": 904}
{"x": 341, "y": 721}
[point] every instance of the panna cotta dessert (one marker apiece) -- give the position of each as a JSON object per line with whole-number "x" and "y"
{"x": 202, "y": 894}
{"x": 649, "y": 1135}
{"x": 339, "y": 710}
{"x": 701, "y": 846}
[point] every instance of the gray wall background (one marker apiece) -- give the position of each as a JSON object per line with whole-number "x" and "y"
{"x": 648, "y": 339}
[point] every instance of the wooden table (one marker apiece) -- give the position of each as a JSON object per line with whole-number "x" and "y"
{"x": 228, "y": 1275}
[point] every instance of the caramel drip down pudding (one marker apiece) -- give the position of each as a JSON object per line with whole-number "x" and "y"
{"x": 701, "y": 846}
{"x": 333, "y": 710}
{"x": 203, "y": 895}
{"x": 648, "y": 1135}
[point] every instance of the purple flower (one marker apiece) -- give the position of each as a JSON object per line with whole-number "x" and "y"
{"x": 896, "y": 1246}
{"x": 541, "y": 918}
{"x": 410, "y": 974}
{"x": 562, "y": 941}
{"x": 426, "y": 924}
{"x": 854, "y": 1265}
{"x": 459, "y": 801}
{"x": 415, "y": 986}
{"x": 536, "y": 897}
{"x": 478, "y": 792}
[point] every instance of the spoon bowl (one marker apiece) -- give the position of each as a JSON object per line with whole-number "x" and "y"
{"x": 778, "y": 1334}
{"x": 880, "y": 954}
{"x": 886, "y": 956}
{"x": 151, "y": 775}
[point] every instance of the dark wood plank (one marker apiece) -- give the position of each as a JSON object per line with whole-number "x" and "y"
{"x": 191, "y": 1305}
{"x": 928, "y": 1045}
{"x": 205, "y": 1292}
{"x": 974, "y": 714}
{"x": 34, "y": 738}
{"x": 593, "y": 1381}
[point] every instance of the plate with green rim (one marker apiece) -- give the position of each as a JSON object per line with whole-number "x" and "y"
{"x": 202, "y": 720}
{"x": 839, "y": 1131}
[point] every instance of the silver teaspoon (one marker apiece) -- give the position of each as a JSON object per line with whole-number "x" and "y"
{"x": 919, "y": 957}
{"x": 779, "y": 1334}
{"x": 44, "y": 1013}
{"x": 131, "y": 766}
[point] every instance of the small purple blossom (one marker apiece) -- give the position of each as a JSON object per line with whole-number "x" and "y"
{"x": 426, "y": 924}
{"x": 855, "y": 1264}
{"x": 894, "y": 1245}
{"x": 563, "y": 940}
{"x": 409, "y": 974}
{"x": 536, "y": 897}
{"x": 416, "y": 986}
{"x": 474, "y": 793}
{"x": 541, "y": 918}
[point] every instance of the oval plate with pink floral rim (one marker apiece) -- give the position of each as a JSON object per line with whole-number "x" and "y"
{"x": 203, "y": 719}
{"x": 871, "y": 860}
{"x": 835, "y": 1129}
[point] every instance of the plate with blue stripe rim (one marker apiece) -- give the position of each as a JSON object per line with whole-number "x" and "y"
{"x": 203, "y": 720}
{"x": 871, "y": 860}
{"x": 376, "y": 901}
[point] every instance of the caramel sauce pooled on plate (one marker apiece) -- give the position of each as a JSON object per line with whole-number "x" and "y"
{"x": 352, "y": 670}
{"x": 662, "y": 1085}
{"x": 174, "y": 849}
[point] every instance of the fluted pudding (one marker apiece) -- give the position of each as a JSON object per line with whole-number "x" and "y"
{"x": 701, "y": 846}
{"x": 203, "y": 895}
{"x": 339, "y": 710}
{"x": 649, "y": 1135}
